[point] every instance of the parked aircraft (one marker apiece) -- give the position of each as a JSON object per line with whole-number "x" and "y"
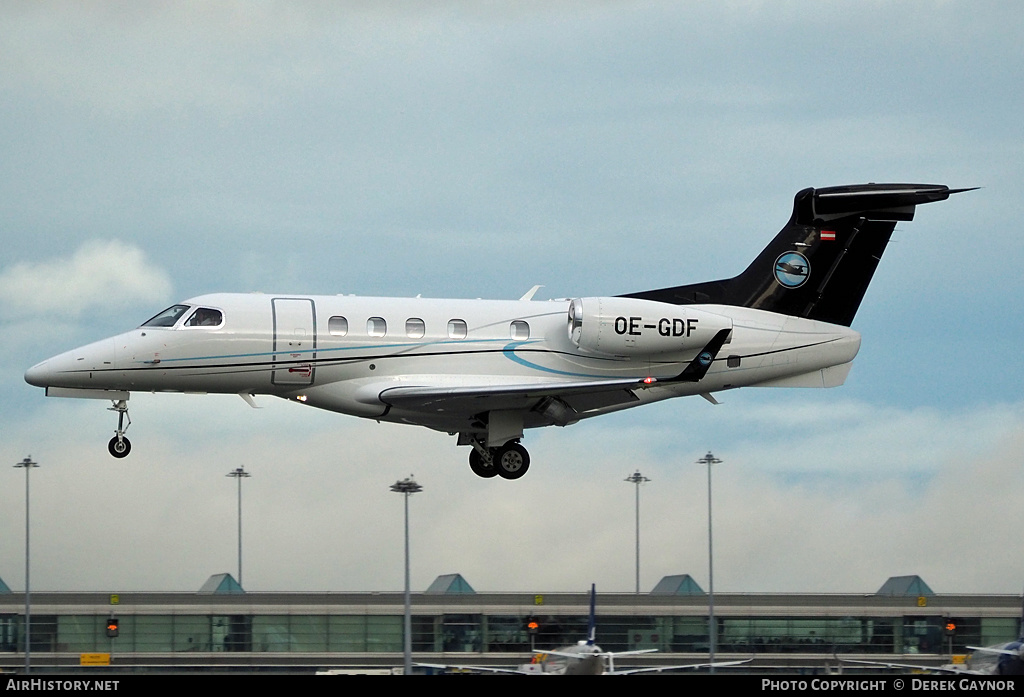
{"x": 584, "y": 657}
{"x": 1000, "y": 659}
{"x": 486, "y": 370}
{"x": 1009, "y": 657}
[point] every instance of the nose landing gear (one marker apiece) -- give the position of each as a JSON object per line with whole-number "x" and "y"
{"x": 119, "y": 446}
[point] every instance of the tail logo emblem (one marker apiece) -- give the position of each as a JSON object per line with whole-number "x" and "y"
{"x": 792, "y": 269}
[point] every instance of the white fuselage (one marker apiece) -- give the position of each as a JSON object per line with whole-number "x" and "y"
{"x": 341, "y": 352}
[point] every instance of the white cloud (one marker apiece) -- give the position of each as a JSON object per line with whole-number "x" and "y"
{"x": 107, "y": 274}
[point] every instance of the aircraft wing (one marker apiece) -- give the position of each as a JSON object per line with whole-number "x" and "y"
{"x": 601, "y": 654}
{"x": 475, "y": 669}
{"x": 473, "y": 399}
{"x": 464, "y": 408}
{"x": 993, "y": 649}
{"x": 551, "y": 402}
{"x": 685, "y": 666}
{"x": 952, "y": 669}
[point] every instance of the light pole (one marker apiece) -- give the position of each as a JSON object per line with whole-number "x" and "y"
{"x": 27, "y": 464}
{"x": 407, "y": 486}
{"x": 637, "y": 479}
{"x": 709, "y": 460}
{"x": 239, "y": 474}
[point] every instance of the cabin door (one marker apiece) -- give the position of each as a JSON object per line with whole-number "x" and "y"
{"x": 294, "y": 341}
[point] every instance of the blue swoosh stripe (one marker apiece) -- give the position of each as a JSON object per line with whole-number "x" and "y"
{"x": 510, "y": 353}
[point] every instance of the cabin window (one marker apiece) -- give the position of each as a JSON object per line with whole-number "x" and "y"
{"x": 519, "y": 330}
{"x": 376, "y": 326}
{"x": 205, "y": 317}
{"x": 167, "y": 318}
{"x": 415, "y": 328}
{"x": 338, "y": 326}
{"x": 457, "y": 329}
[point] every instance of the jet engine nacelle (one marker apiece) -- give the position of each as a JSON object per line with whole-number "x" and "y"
{"x": 631, "y": 327}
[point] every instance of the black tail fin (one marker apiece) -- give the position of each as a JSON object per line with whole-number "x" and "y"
{"x": 820, "y": 264}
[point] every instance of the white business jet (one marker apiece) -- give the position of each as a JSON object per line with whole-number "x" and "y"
{"x": 486, "y": 370}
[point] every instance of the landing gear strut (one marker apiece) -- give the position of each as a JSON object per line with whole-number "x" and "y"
{"x": 119, "y": 446}
{"x": 509, "y": 461}
{"x": 482, "y": 464}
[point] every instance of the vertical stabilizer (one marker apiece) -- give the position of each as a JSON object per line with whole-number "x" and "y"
{"x": 820, "y": 264}
{"x": 592, "y": 624}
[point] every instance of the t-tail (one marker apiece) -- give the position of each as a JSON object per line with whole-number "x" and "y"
{"x": 820, "y": 264}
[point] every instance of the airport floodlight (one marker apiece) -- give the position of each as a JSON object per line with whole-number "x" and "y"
{"x": 709, "y": 460}
{"x": 27, "y": 465}
{"x": 637, "y": 479}
{"x": 407, "y": 487}
{"x": 239, "y": 473}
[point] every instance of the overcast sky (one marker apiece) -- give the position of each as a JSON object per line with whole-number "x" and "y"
{"x": 150, "y": 152}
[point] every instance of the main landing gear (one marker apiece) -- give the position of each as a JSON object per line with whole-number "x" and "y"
{"x": 119, "y": 446}
{"x": 509, "y": 461}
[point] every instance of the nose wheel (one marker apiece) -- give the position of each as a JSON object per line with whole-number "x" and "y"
{"x": 119, "y": 446}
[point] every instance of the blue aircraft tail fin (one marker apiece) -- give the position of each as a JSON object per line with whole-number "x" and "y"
{"x": 592, "y": 624}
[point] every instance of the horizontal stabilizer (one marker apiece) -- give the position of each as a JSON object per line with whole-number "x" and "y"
{"x": 872, "y": 201}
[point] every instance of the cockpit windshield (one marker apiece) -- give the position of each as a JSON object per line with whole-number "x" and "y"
{"x": 168, "y": 317}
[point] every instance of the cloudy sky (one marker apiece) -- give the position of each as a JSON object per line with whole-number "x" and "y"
{"x": 150, "y": 152}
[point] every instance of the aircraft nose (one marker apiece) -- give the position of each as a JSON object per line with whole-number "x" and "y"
{"x": 38, "y": 374}
{"x": 74, "y": 368}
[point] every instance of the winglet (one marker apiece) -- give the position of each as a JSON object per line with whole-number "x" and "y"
{"x": 701, "y": 363}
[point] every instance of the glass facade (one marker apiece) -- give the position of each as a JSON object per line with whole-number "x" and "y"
{"x": 467, "y": 626}
{"x": 479, "y": 633}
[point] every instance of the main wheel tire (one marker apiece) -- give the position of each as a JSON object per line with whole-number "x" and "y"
{"x": 119, "y": 447}
{"x": 512, "y": 461}
{"x": 479, "y": 467}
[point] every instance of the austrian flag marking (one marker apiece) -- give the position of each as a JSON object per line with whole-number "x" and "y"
{"x": 828, "y": 235}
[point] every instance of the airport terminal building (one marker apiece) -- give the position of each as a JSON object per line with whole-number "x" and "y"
{"x": 222, "y": 627}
